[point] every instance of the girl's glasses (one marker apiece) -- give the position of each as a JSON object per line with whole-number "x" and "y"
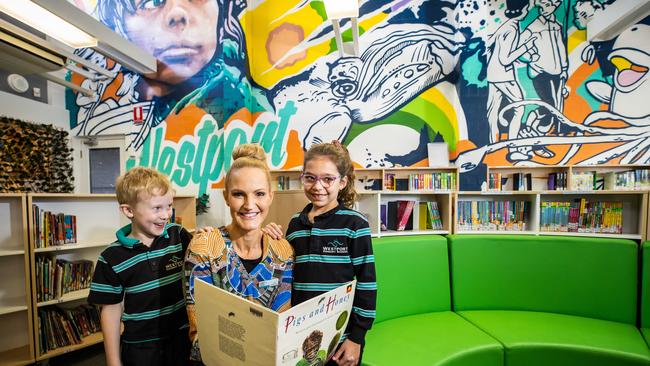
{"x": 326, "y": 181}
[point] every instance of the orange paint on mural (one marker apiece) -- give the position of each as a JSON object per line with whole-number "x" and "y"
{"x": 111, "y": 89}
{"x": 576, "y": 107}
{"x": 183, "y": 123}
{"x": 295, "y": 154}
{"x": 243, "y": 115}
{"x": 461, "y": 146}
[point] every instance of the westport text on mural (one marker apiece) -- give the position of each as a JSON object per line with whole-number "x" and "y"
{"x": 207, "y": 155}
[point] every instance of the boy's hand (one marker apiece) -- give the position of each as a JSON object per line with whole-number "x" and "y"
{"x": 207, "y": 229}
{"x": 273, "y": 230}
{"x": 348, "y": 354}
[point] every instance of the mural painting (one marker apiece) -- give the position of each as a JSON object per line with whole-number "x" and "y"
{"x": 502, "y": 82}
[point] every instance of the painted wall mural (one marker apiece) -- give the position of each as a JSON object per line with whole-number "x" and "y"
{"x": 502, "y": 82}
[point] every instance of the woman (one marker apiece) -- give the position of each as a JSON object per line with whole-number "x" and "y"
{"x": 239, "y": 258}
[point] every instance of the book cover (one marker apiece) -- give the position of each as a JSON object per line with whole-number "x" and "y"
{"x": 391, "y": 217}
{"x": 236, "y": 331}
{"x": 404, "y": 213}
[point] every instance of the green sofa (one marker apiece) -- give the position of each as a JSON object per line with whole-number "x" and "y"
{"x": 415, "y": 324}
{"x": 645, "y": 291}
{"x": 515, "y": 300}
{"x": 551, "y": 300}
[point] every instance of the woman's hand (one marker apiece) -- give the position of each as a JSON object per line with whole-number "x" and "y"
{"x": 348, "y": 354}
{"x": 273, "y": 230}
{"x": 207, "y": 229}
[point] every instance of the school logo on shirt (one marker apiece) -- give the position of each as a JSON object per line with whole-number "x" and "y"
{"x": 173, "y": 263}
{"x": 335, "y": 247}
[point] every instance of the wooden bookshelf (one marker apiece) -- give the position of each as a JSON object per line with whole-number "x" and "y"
{"x": 540, "y": 173}
{"x": 17, "y": 343}
{"x": 17, "y": 356}
{"x": 85, "y": 342}
{"x": 523, "y": 196}
{"x": 634, "y": 211}
{"x": 98, "y": 218}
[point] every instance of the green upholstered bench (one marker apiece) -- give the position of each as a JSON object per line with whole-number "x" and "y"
{"x": 645, "y": 291}
{"x": 415, "y": 324}
{"x": 560, "y": 301}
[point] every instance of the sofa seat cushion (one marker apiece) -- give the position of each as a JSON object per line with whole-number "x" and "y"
{"x": 536, "y": 339}
{"x": 439, "y": 338}
{"x": 646, "y": 335}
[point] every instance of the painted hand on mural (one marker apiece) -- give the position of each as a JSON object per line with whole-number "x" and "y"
{"x": 398, "y": 63}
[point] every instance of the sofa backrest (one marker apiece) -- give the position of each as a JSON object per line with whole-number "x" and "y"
{"x": 591, "y": 277}
{"x": 412, "y": 275}
{"x": 645, "y": 285}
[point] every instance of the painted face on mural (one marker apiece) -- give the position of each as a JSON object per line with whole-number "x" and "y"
{"x": 181, "y": 34}
{"x": 547, "y": 7}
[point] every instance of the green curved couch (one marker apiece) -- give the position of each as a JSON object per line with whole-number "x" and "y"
{"x": 509, "y": 300}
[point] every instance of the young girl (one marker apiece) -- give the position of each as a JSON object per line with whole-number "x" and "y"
{"x": 238, "y": 257}
{"x": 332, "y": 243}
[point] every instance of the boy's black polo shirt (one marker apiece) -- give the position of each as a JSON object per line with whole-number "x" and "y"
{"x": 148, "y": 279}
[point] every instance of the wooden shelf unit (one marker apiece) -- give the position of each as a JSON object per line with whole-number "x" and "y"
{"x": 291, "y": 200}
{"x": 635, "y": 211}
{"x": 539, "y": 174}
{"x": 17, "y": 342}
{"x": 98, "y": 218}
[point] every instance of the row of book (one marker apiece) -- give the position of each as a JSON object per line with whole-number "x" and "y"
{"x": 56, "y": 277}
{"x": 410, "y": 215}
{"x": 632, "y": 179}
{"x": 53, "y": 228}
{"x": 440, "y": 181}
{"x": 59, "y": 327}
{"x": 582, "y": 216}
{"x": 493, "y": 215}
{"x": 524, "y": 182}
{"x": 588, "y": 181}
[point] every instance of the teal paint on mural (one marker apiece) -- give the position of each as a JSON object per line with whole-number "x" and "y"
{"x": 471, "y": 70}
{"x": 594, "y": 104}
{"x": 205, "y": 161}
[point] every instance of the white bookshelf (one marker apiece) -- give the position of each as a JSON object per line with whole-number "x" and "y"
{"x": 532, "y": 220}
{"x": 16, "y": 343}
{"x": 635, "y": 211}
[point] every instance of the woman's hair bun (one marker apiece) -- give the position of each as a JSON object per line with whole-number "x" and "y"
{"x": 253, "y": 151}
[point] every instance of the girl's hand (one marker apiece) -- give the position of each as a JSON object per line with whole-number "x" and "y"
{"x": 348, "y": 354}
{"x": 273, "y": 230}
{"x": 207, "y": 229}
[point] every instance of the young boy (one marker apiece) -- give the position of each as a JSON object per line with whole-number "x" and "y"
{"x": 138, "y": 278}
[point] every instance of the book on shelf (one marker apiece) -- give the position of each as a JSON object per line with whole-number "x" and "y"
{"x": 58, "y": 327}
{"x": 635, "y": 179}
{"x": 493, "y": 215}
{"x": 405, "y": 215}
{"x": 582, "y": 216}
{"x": 383, "y": 217}
{"x": 495, "y": 182}
{"x": 426, "y": 216}
{"x": 53, "y": 229}
{"x": 56, "y": 277}
{"x": 522, "y": 182}
{"x": 436, "y": 181}
{"x": 399, "y": 216}
{"x": 557, "y": 181}
{"x": 389, "y": 181}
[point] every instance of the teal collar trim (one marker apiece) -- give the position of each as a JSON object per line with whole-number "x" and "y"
{"x": 123, "y": 237}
